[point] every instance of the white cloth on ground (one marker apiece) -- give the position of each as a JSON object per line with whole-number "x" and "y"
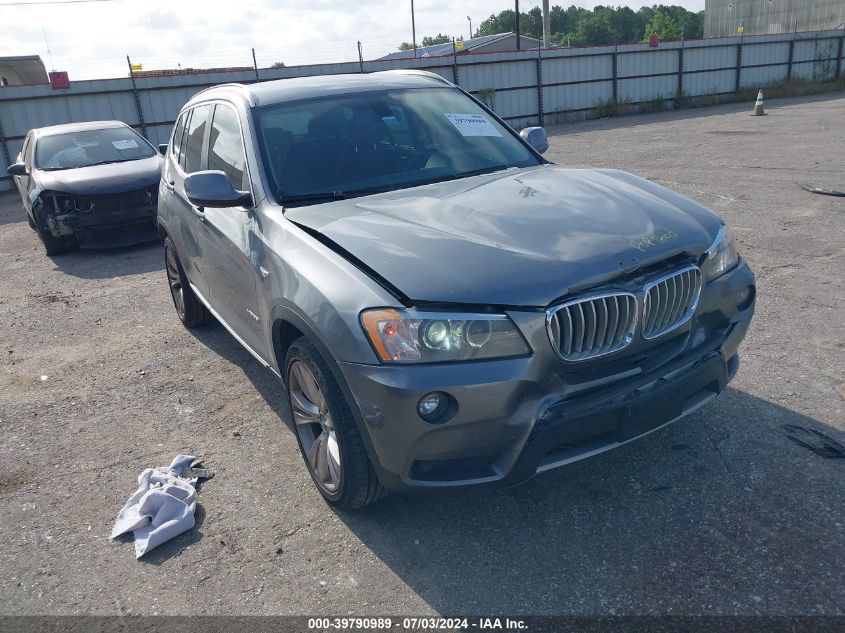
{"x": 162, "y": 507}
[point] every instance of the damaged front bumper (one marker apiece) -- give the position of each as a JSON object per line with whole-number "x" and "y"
{"x": 108, "y": 221}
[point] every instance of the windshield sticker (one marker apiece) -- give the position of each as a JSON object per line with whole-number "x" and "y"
{"x": 473, "y": 124}
{"x": 128, "y": 143}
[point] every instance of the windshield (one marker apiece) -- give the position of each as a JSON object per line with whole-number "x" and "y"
{"x": 346, "y": 145}
{"x": 90, "y": 147}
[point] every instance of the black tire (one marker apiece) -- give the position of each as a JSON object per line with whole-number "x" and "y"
{"x": 359, "y": 485}
{"x": 52, "y": 244}
{"x": 190, "y": 310}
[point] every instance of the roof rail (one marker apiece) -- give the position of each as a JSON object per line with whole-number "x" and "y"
{"x": 413, "y": 71}
{"x": 241, "y": 87}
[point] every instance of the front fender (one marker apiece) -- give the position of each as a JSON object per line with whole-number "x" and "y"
{"x": 310, "y": 284}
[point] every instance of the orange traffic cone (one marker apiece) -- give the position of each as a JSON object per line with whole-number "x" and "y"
{"x": 758, "y": 106}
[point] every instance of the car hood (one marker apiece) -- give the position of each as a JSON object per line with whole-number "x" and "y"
{"x": 103, "y": 179}
{"x": 521, "y": 237}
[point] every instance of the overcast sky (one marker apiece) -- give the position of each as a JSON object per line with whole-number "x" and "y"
{"x": 92, "y": 40}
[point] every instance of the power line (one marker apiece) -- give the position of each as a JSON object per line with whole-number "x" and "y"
{"x": 20, "y": 4}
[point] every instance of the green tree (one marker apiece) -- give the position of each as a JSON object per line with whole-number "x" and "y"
{"x": 429, "y": 40}
{"x": 602, "y": 25}
{"x": 278, "y": 65}
{"x": 624, "y": 23}
{"x": 499, "y": 23}
{"x": 531, "y": 23}
{"x": 664, "y": 26}
{"x": 565, "y": 20}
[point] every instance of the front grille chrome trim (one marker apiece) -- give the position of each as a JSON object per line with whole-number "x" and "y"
{"x": 670, "y": 301}
{"x": 592, "y": 326}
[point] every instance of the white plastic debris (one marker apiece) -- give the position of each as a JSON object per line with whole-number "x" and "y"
{"x": 162, "y": 507}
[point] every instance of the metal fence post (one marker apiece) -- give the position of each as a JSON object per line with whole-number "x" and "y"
{"x": 791, "y": 56}
{"x": 137, "y": 98}
{"x": 4, "y": 146}
{"x": 540, "y": 85}
{"x": 255, "y": 65}
{"x": 681, "y": 69}
{"x": 454, "y": 63}
{"x": 615, "y": 75}
{"x": 738, "y": 65}
{"x": 839, "y": 56}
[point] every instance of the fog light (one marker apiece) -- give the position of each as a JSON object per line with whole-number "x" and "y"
{"x": 431, "y": 406}
{"x": 745, "y": 298}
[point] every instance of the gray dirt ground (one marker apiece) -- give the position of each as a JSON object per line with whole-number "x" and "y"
{"x": 717, "y": 514}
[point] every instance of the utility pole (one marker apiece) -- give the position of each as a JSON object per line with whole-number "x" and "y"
{"x": 516, "y": 25}
{"x": 413, "y": 30}
{"x": 547, "y": 26}
{"x": 470, "y": 27}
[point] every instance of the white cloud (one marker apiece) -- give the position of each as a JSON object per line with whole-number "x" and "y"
{"x": 92, "y": 40}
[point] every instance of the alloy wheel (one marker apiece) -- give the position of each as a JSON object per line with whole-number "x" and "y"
{"x": 175, "y": 281}
{"x": 315, "y": 427}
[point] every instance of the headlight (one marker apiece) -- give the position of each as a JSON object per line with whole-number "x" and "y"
{"x": 408, "y": 336}
{"x": 721, "y": 256}
{"x": 67, "y": 204}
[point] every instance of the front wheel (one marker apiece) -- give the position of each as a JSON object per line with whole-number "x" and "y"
{"x": 328, "y": 437}
{"x": 52, "y": 244}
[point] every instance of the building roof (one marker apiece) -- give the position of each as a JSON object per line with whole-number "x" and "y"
{"x": 23, "y": 69}
{"x": 446, "y": 49}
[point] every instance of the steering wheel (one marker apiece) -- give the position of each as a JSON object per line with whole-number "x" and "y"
{"x": 352, "y": 145}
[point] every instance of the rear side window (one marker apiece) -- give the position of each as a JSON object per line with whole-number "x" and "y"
{"x": 225, "y": 146}
{"x": 194, "y": 138}
{"x": 176, "y": 143}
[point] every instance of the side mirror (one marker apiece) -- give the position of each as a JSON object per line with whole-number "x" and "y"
{"x": 213, "y": 189}
{"x": 17, "y": 169}
{"x": 536, "y": 138}
{"x": 162, "y": 149}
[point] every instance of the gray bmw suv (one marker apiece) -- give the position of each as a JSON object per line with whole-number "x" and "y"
{"x": 444, "y": 306}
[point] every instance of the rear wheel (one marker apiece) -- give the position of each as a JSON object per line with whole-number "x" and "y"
{"x": 190, "y": 310}
{"x": 328, "y": 437}
{"x": 52, "y": 244}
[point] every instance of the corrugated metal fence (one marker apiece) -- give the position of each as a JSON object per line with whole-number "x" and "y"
{"x": 525, "y": 88}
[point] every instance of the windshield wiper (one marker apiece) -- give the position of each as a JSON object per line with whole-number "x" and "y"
{"x": 483, "y": 170}
{"x": 109, "y": 162}
{"x": 464, "y": 174}
{"x": 328, "y": 196}
{"x": 318, "y": 196}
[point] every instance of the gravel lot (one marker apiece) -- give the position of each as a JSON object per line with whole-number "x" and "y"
{"x": 718, "y": 514}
